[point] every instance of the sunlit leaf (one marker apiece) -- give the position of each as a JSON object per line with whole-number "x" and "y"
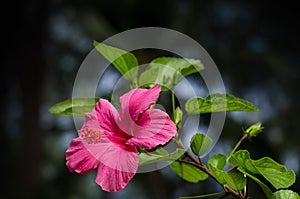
{"x": 125, "y": 62}
{"x": 286, "y": 194}
{"x": 218, "y": 161}
{"x": 272, "y": 171}
{"x": 74, "y": 107}
{"x": 184, "y": 65}
{"x": 188, "y": 172}
{"x": 200, "y": 143}
{"x": 167, "y": 71}
{"x": 217, "y": 103}
{"x": 275, "y": 173}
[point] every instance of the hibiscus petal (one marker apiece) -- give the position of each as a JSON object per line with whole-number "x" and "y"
{"x": 137, "y": 101}
{"x": 79, "y": 158}
{"x": 112, "y": 180}
{"x": 91, "y": 120}
{"x": 104, "y": 115}
{"x": 133, "y": 104}
{"x": 118, "y": 164}
{"x": 153, "y": 128}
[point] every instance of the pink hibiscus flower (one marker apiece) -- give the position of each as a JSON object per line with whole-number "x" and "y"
{"x": 109, "y": 139}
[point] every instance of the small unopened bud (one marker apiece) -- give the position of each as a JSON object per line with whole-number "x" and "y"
{"x": 178, "y": 117}
{"x": 253, "y": 130}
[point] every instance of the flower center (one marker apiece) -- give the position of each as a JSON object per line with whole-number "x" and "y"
{"x": 91, "y": 136}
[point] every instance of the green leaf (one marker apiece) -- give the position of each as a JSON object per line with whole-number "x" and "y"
{"x": 241, "y": 159}
{"x": 267, "y": 191}
{"x": 145, "y": 158}
{"x": 235, "y": 180}
{"x": 162, "y": 151}
{"x": 125, "y": 62}
{"x": 272, "y": 171}
{"x": 184, "y": 65}
{"x": 219, "y": 175}
{"x": 188, "y": 172}
{"x": 74, "y": 107}
{"x": 286, "y": 194}
{"x": 200, "y": 143}
{"x": 167, "y": 71}
{"x": 217, "y": 103}
{"x": 275, "y": 173}
{"x": 150, "y": 77}
{"x": 217, "y": 161}
{"x": 160, "y": 156}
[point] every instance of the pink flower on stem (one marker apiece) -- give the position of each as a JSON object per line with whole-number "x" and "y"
{"x": 109, "y": 139}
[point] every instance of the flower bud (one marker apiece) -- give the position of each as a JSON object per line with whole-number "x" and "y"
{"x": 178, "y": 117}
{"x": 253, "y": 130}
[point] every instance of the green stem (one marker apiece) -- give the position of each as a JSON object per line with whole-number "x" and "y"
{"x": 237, "y": 146}
{"x": 202, "y": 167}
{"x": 246, "y": 189}
{"x": 173, "y": 104}
{"x": 201, "y": 196}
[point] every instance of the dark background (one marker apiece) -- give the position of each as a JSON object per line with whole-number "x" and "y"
{"x": 255, "y": 45}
